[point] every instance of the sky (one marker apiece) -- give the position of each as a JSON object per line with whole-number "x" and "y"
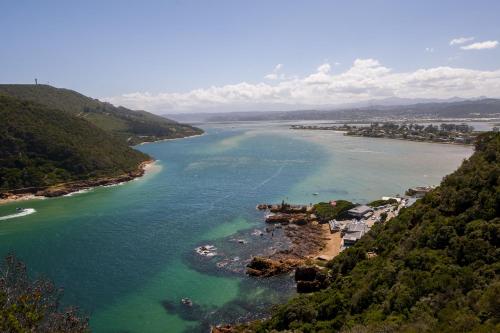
{"x": 200, "y": 56}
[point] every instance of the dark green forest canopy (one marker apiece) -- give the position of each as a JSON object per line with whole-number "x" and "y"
{"x": 41, "y": 146}
{"x": 437, "y": 267}
{"x": 131, "y": 126}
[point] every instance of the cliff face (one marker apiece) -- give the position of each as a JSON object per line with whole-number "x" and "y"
{"x": 436, "y": 266}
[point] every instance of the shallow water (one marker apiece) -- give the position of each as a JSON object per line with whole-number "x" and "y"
{"x": 125, "y": 254}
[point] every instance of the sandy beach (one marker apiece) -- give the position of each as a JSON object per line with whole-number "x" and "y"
{"x": 333, "y": 243}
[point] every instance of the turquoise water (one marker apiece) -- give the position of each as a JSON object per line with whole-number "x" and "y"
{"x": 124, "y": 254}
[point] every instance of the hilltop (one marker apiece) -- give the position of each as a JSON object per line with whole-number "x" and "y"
{"x": 42, "y": 146}
{"x": 434, "y": 268}
{"x": 131, "y": 126}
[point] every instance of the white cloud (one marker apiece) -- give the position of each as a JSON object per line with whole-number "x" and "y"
{"x": 324, "y": 68}
{"x": 365, "y": 79}
{"x": 271, "y": 76}
{"x": 275, "y": 74}
{"x": 429, "y": 49}
{"x": 489, "y": 44}
{"x": 461, "y": 40}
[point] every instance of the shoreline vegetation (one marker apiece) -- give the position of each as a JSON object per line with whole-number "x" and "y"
{"x": 461, "y": 134}
{"x": 62, "y": 189}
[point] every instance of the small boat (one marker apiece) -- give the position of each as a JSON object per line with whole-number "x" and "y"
{"x": 19, "y": 209}
{"x": 315, "y": 193}
{"x": 186, "y": 301}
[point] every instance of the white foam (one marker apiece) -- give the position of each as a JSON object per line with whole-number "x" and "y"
{"x": 77, "y": 192}
{"x": 24, "y": 212}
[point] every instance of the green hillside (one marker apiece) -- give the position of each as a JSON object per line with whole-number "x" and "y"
{"x": 132, "y": 126}
{"x": 437, "y": 267}
{"x": 41, "y": 146}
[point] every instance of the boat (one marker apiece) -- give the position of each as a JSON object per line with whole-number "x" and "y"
{"x": 315, "y": 193}
{"x": 186, "y": 301}
{"x": 20, "y": 210}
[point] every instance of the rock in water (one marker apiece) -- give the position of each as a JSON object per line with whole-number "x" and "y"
{"x": 264, "y": 267}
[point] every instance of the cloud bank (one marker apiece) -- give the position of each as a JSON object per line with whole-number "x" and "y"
{"x": 366, "y": 79}
{"x": 489, "y": 44}
{"x": 461, "y": 40}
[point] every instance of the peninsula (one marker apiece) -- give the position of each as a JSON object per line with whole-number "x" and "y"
{"x": 444, "y": 133}
{"x": 57, "y": 141}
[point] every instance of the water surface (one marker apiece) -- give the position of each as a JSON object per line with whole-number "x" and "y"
{"x": 124, "y": 254}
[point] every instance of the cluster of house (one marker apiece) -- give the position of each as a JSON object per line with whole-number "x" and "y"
{"x": 362, "y": 217}
{"x": 353, "y": 229}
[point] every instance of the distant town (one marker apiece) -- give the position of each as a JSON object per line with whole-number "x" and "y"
{"x": 444, "y": 133}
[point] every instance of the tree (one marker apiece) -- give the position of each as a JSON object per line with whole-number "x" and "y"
{"x": 33, "y": 306}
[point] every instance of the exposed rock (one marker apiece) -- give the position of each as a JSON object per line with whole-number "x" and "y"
{"x": 278, "y": 218}
{"x": 287, "y": 218}
{"x": 222, "y": 329}
{"x": 265, "y": 267}
{"x": 309, "y": 279}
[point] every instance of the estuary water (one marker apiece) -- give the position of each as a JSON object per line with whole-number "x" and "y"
{"x": 125, "y": 254}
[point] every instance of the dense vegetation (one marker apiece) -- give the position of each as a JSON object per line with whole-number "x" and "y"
{"x": 131, "y": 126}
{"x": 326, "y": 211}
{"x": 33, "y": 306}
{"x": 380, "y": 202}
{"x": 436, "y": 269}
{"x": 40, "y": 146}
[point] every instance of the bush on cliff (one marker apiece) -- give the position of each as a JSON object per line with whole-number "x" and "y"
{"x": 33, "y": 306}
{"x": 327, "y": 211}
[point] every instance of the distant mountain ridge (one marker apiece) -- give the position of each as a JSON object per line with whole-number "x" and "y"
{"x": 132, "y": 126}
{"x": 453, "y": 108}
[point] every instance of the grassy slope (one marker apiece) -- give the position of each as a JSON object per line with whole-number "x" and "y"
{"x": 437, "y": 267}
{"x": 133, "y": 126}
{"x": 40, "y": 146}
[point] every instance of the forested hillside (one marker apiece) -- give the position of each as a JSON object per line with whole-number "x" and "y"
{"x": 41, "y": 146}
{"x": 128, "y": 125}
{"x": 436, "y": 269}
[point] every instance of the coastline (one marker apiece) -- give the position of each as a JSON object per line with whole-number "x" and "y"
{"x": 62, "y": 189}
{"x": 333, "y": 244}
{"x": 345, "y": 133}
{"x": 172, "y": 139}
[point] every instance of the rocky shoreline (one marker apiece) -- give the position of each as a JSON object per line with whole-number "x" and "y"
{"x": 71, "y": 187}
{"x": 300, "y": 226}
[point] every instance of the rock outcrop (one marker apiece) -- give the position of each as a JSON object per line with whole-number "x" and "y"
{"x": 265, "y": 267}
{"x": 310, "y": 278}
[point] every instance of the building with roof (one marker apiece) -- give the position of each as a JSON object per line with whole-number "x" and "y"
{"x": 359, "y": 211}
{"x": 353, "y": 233}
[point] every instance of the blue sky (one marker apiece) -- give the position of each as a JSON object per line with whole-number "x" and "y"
{"x": 197, "y": 55}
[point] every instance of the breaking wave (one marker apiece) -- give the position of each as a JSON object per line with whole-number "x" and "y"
{"x": 24, "y": 212}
